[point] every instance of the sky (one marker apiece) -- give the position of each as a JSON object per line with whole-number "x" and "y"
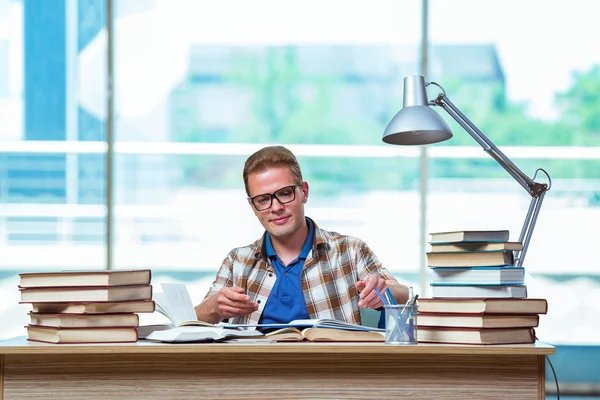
{"x": 540, "y": 43}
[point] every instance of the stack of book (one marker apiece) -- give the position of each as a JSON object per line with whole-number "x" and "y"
{"x": 479, "y": 321}
{"x": 468, "y": 264}
{"x": 478, "y": 295}
{"x": 86, "y": 306}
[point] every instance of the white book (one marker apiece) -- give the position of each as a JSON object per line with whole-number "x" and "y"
{"x": 469, "y": 236}
{"x": 517, "y": 292}
{"x": 477, "y": 276}
{"x": 183, "y": 334}
{"x": 174, "y": 302}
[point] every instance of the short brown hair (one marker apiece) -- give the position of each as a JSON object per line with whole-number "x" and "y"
{"x": 269, "y": 157}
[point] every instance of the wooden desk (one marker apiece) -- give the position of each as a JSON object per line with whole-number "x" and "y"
{"x": 270, "y": 371}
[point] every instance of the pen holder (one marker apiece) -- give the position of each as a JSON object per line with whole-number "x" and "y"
{"x": 401, "y": 324}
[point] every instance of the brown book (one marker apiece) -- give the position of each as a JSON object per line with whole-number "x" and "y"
{"x": 292, "y": 334}
{"x": 470, "y": 259}
{"x": 477, "y": 246}
{"x": 86, "y": 294}
{"x": 475, "y": 336}
{"x": 478, "y": 321}
{"x": 480, "y": 306}
{"x": 101, "y": 278}
{"x": 84, "y": 321}
{"x": 107, "y": 307}
{"x": 81, "y": 335}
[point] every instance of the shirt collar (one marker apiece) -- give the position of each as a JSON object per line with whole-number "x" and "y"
{"x": 308, "y": 242}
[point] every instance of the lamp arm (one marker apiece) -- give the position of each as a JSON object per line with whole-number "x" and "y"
{"x": 536, "y": 190}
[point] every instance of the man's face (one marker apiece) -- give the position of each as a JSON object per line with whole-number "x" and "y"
{"x": 280, "y": 220}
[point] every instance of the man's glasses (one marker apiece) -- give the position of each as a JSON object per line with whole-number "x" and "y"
{"x": 284, "y": 195}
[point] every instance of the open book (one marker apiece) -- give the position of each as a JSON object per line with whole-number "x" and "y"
{"x": 188, "y": 333}
{"x": 174, "y": 302}
{"x": 310, "y": 323}
{"x": 294, "y": 334}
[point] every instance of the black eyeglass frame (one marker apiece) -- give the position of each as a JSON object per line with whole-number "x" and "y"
{"x": 274, "y": 195}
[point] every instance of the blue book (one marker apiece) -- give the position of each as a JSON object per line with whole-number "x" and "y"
{"x": 477, "y": 276}
{"x": 480, "y": 291}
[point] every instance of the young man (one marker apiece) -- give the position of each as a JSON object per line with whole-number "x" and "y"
{"x": 295, "y": 270}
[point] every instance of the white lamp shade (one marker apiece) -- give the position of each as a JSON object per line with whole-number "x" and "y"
{"x": 416, "y": 125}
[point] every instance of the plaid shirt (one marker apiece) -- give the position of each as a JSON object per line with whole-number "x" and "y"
{"x": 332, "y": 268}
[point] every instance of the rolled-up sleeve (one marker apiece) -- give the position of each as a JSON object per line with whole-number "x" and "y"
{"x": 224, "y": 276}
{"x": 367, "y": 263}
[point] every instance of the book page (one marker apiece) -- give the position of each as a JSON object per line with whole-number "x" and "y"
{"x": 332, "y": 323}
{"x": 342, "y": 335}
{"x": 198, "y": 334}
{"x": 178, "y": 304}
{"x": 308, "y": 323}
{"x": 301, "y": 323}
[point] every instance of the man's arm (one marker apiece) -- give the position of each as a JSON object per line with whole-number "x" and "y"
{"x": 399, "y": 291}
{"x": 370, "y": 299}
{"x": 207, "y": 311}
{"x": 224, "y": 300}
{"x": 228, "y": 302}
{"x": 376, "y": 277}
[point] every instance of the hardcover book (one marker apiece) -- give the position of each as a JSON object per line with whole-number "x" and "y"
{"x": 483, "y": 306}
{"x": 475, "y": 246}
{"x": 470, "y": 259}
{"x": 478, "y": 276}
{"x": 479, "y": 291}
{"x": 81, "y": 335}
{"x": 84, "y": 321}
{"x": 101, "y": 278}
{"x": 470, "y": 236}
{"x": 478, "y": 321}
{"x": 475, "y": 336}
{"x": 106, "y": 307}
{"x": 85, "y": 294}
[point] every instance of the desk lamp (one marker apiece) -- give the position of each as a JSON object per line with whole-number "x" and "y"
{"x": 417, "y": 124}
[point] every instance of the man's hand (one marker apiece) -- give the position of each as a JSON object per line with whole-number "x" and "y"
{"x": 232, "y": 302}
{"x": 368, "y": 296}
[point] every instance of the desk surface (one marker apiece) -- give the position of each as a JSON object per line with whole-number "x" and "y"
{"x": 20, "y": 345}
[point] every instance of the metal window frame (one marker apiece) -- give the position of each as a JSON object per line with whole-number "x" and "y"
{"x": 110, "y": 111}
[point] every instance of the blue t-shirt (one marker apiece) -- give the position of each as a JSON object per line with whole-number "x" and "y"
{"x": 286, "y": 301}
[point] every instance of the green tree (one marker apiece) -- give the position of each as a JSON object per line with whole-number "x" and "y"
{"x": 292, "y": 105}
{"x": 581, "y": 107}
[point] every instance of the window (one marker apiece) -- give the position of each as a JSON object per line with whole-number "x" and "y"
{"x": 194, "y": 97}
{"x": 524, "y": 85}
{"x": 52, "y": 167}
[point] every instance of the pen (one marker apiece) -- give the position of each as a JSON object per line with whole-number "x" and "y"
{"x": 390, "y": 296}
{"x": 383, "y": 299}
{"x": 399, "y": 326}
{"x": 414, "y": 299}
{"x": 410, "y": 318}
